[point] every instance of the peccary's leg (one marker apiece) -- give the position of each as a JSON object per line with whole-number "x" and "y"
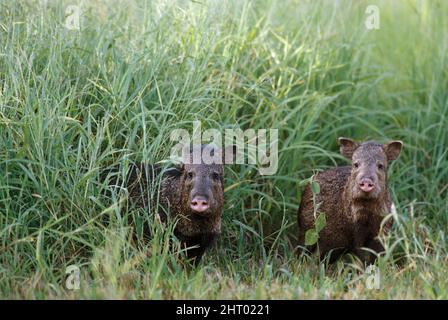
{"x": 333, "y": 254}
{"x": 196, "y": 244}
{"x": 302, "y": 248}
{"x": 301, "y": 244}
{"x": 376, "y": 246}
{"x": 371, "y": 243}
{"x": 360, "y": 241}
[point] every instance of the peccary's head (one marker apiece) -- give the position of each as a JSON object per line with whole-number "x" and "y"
{"x": 202, "y": 182}
{"x": 369, "y": 166}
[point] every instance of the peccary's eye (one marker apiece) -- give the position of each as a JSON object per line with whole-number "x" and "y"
{"x": 380, "y": 166}
{"x": 356, "y": 164}
{"x": 216, "y": 176}
{"x": 190, "y": 175}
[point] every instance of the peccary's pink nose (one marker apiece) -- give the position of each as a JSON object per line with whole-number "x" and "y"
{"x": 366, "y": 185}
{"x": 199, "y": 204}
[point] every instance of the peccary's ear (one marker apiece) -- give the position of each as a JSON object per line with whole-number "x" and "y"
{"x": 347, "y": 147}
{"x": 175, "y": 171}
{"x": 393, "y": 149}
{"x": 229, "y": 154}
{"x": 180, "y": 167}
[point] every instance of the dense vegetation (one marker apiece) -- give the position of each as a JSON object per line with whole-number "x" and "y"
{"x": 75, "y": 101}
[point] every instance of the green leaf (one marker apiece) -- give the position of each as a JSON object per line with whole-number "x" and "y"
{"x": 321, "y": 222}
{"x": 315, "y": 187}
{"x": 311, "y": 237}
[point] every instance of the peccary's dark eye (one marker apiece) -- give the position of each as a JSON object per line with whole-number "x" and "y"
{"x": 216, "y": 176}
{"x": 356, "y": 164}
{"x": 380, "y": 166}
{"x": 190, "y": 175}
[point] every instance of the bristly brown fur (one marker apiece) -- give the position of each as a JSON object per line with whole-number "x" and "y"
{"x": 171, "y": 191}
{"x": 353, "y": 219}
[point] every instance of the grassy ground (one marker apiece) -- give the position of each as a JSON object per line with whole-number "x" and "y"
{"x": 75, "y": 101}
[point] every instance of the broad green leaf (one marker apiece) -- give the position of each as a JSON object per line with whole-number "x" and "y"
{"x": 315, "y": 187}
{"x": 321, "y": 222}
{"x": 311, "y": 237}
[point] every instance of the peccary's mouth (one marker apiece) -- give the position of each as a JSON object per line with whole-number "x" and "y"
{"x": 200, "y": 215}
{"x": 361, "y": 195}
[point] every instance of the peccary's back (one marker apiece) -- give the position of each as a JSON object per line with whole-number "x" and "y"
{"x": 337, "y": 232}
{"x": 142, "y": 182}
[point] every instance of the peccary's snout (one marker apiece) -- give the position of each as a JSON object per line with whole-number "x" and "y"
{"x": 203, "y": 190}
{"x": 366, "y": 184}
{"x": 199, "y": 204}
{"x": 368, "y": 181}
{"x": 370, "y": 159}
{"x": 202, "y": 183}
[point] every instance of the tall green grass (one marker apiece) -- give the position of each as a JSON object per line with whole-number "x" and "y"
{"x": 75, "y": 102}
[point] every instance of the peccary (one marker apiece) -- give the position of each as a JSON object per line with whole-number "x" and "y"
{"x": 354, "y": 200}
{"x": 192, "y": 194}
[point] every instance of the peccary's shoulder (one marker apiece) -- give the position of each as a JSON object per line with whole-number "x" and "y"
{"x": 140, "y": 177}
{"x": 151, "y": 172}
{"x": 135, "y": 172}
{"x": 144, "y": 171}
{"x": 332, "y": 181}
{"x": 333, "y": 177}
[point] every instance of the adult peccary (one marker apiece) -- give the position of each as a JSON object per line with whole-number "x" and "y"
{"x": 354, "y": 200}
{"x": 192, "y": 194}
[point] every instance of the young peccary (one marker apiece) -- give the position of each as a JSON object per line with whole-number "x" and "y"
{"x": 191, "y": 194}
{"x": 354, "y": 200}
